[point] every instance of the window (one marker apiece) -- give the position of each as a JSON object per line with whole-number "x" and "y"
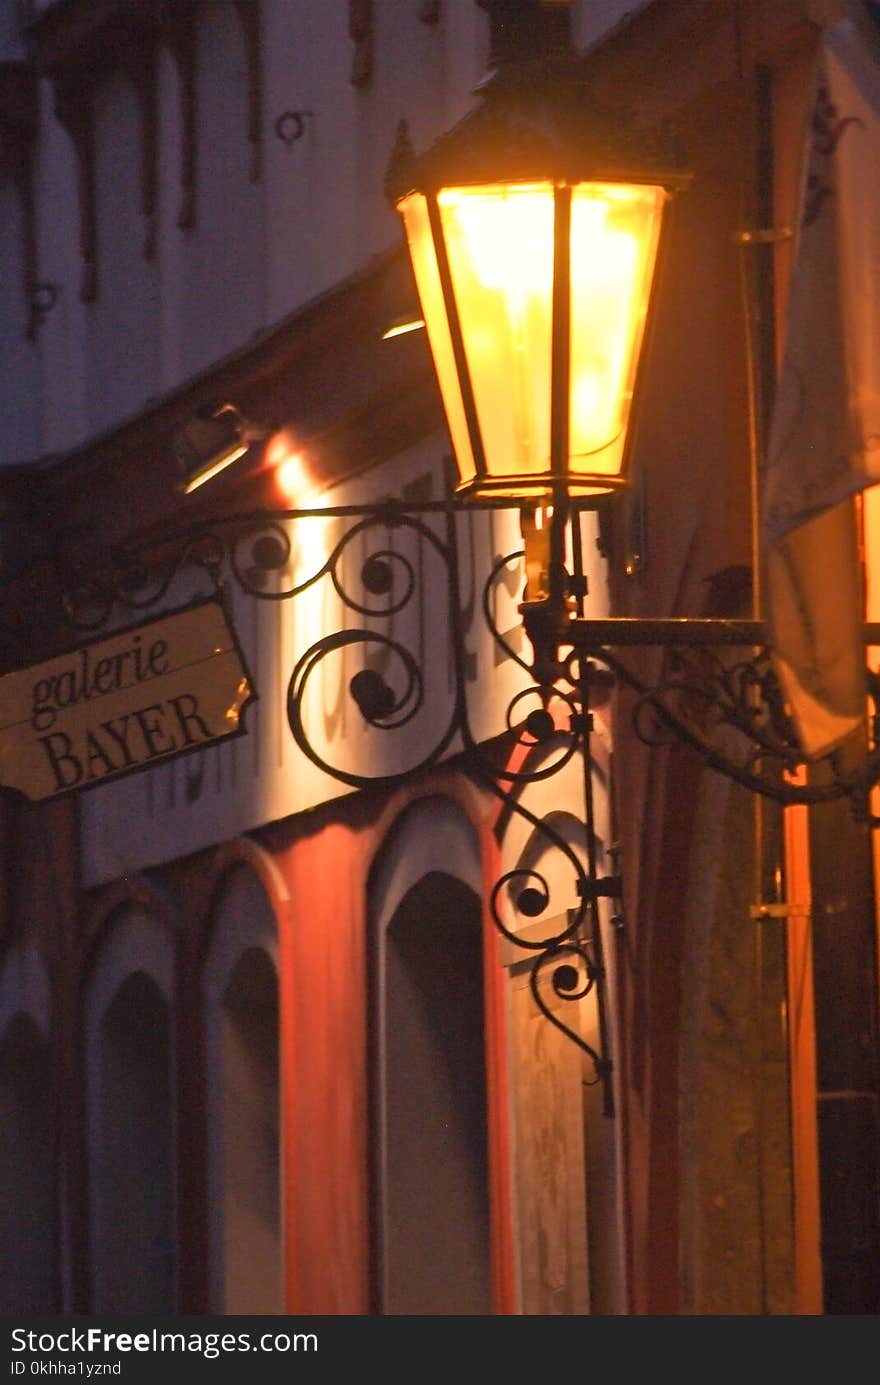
{"x": 241, "y": 1019}
{"x": 431, "y": 1168}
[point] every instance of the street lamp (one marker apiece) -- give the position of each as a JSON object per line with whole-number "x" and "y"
{"x": 534, "y": 228}
{"x": 534, "y": 266}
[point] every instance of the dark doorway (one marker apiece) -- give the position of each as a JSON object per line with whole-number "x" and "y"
{"x": 431, "y": 1177}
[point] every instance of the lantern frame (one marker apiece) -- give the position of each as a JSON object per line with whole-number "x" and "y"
{"x": 537, "y": 124}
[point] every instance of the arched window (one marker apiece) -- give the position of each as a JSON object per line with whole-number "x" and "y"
{"x": 131, "y": 1122}
{"x": 28, "y": 1207}
{"x": 431, "y": 1172}
{"x": 241, "y": 1023}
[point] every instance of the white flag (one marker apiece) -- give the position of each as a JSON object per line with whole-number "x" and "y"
{"x": 824, "y": 443}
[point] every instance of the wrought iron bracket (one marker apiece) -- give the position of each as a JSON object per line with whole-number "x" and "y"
{"x": 606, "y": 887}
{"x": 716, "y": 692}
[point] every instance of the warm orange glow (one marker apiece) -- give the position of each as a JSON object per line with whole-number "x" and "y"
{"x": 500, "y": 246}
{"x": 614, "y": 232}
{"x": 506, "y": 233}
{"x": 414, "y": 211}
{"x": 292, "y": 477}
{"x": 311, "y": 536}
{"x": 535, "y": 528}
{"x": 870, "y": 517}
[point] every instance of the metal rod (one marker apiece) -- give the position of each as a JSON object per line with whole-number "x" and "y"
{"x": 456, "y": 336}
{"x": 593, "y": 912}
{"x": 560, "y": 353}
{"x": 676, "y": 630}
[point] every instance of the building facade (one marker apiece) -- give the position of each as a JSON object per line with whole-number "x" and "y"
{"x": 263, "y": 1045}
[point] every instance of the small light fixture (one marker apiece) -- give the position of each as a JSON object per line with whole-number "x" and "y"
{"x": 211, "y": 441}
{"x": 399, "y": 326}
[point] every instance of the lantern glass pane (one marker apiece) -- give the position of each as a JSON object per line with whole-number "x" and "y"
{"x": 499, "y": 241}
{"x": 414, "y": 210}
{"x": 614, "y": 235}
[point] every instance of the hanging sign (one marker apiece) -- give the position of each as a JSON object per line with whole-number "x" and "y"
{"x": 122, "y": 704}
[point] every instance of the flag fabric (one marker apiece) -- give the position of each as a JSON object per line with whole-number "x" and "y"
{"x": 824, "y": 441}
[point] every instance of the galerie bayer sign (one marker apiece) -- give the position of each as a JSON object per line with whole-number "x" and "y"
{"x": 122, "y": 704}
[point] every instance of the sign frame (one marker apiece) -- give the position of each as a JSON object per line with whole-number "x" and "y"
{"x": 76, "y": 675}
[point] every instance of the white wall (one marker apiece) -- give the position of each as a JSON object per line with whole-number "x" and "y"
{"x": 121, "y": 365}
{"x": 259, "y": 248}
{"x": 221, "y": 282}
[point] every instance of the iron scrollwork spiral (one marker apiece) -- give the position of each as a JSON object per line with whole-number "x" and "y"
{"x": 733, "y": 714}
{"x": 130, "y": 581}
{"x": 389, "y": 688}
{"x": 568, "y": 961}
